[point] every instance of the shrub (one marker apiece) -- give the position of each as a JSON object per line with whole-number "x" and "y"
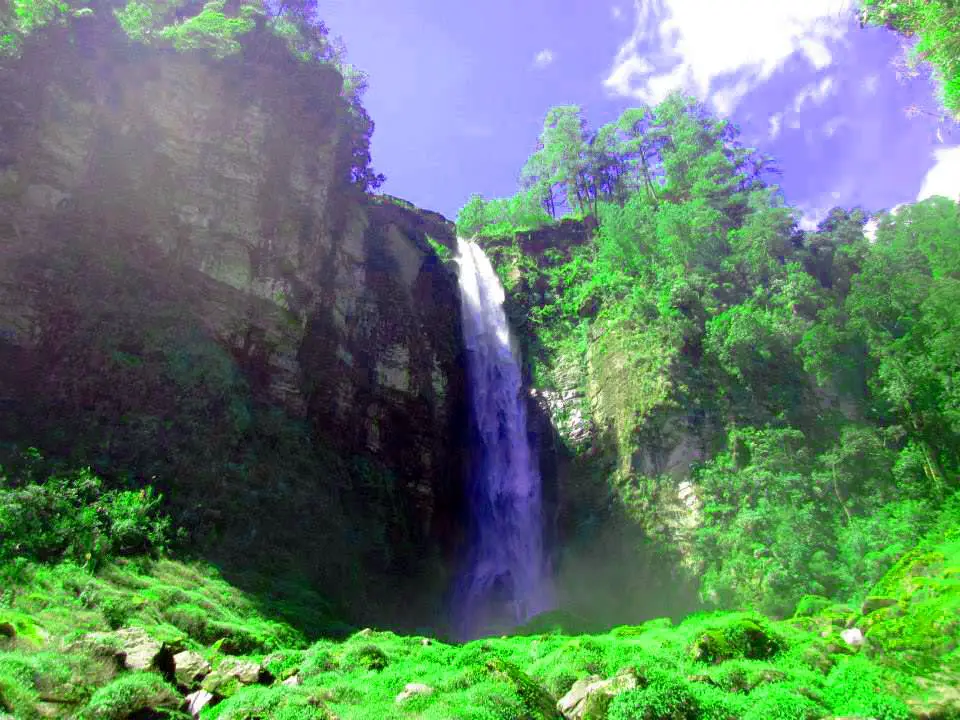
{"x": 73, "y": 516}
{"x": 131, "y": 695}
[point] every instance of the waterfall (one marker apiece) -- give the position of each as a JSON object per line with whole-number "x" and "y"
{"x": 506, "y": 580}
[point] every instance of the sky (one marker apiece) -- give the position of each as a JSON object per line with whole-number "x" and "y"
{"x": 459, "y": 90}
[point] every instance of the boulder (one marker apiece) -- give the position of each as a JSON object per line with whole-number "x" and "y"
{"x": 852, "y": 637}
{"x": 590, "y": 697}
{"x": 538, "y": 703}
{"x": 233, "y": 674}
{"x": 197, "y": 701}
{"x": 190, "y": 668}
{"x": 133, "y": 648}
{"x": 412, "y": 690}
{"x": 140, "y": 651}
{"x": 940, "y": 697}
{"x": 874, "y": 603}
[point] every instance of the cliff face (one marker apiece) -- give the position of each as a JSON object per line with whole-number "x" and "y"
{"x": 585, "y": 408}
{"x": 187, "y": 282}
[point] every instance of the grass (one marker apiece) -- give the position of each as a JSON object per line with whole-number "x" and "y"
{"x": 714, "y": 666}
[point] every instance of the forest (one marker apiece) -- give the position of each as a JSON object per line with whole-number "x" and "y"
{"x": 826, "y": 359}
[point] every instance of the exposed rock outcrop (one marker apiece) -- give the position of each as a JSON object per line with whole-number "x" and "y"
{"x": 185, "y": 270}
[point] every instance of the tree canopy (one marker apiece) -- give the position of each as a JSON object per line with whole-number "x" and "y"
{"x": 936, "y": 26}
{"x": 818, "y": 365}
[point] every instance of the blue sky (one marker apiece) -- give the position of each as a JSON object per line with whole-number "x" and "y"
{"x": 458, "y": 90}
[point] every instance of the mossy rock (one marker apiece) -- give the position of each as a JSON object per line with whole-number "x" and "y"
{"x": 742, "y": 676}
{"x": 279, "y": 702}
{"x": 238, "y": 640}
{"x": 132, "y": 695}
{"x": 629, "y": 631}
{"x": 782, "y": 703}
{"x": 811, "y": 605}
{"x": 232, "y": 675}
{"x": 284, "y": 663}
{"x": 558, "y": 622}
{"x": 664, "y": 695}
{"x": 876, "y": 602}
{"x": 740, "y": 638}
{"x": 877, "y": 617}
{"x": 171, "y": 636}
{"x": 368, "y": 657}
{"x": 537, "y": 702}
{"x": 906, "y": 576}
{"x": 18, "y": 628}
{"x": 18, "y": 697}
{"x": 229, "y": 638}
{"x": 839, "y": 615}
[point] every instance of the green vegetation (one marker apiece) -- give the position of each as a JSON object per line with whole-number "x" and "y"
{"x": 936, "y": 26}
{"x": 72, "y": 516}
{"x": 669, "y": 306}
{"x": 217, "y": 27}
{"x": 814, "y": 368}
{"x": 57, "y": 648}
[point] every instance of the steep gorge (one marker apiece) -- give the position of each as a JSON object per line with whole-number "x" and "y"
{"x": 192, "y": 291}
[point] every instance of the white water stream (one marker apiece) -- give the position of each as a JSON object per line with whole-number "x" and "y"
{"x": 506, "y": 580}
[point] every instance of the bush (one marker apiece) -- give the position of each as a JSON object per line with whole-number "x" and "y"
{"x": 665, "y": 696}
{"x": 72, "y": 516}
{"x": 132, "y": 695}
{"x": 736, "y": 637}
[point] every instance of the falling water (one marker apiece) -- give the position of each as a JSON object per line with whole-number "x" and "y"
{"x": 506, "y": 580}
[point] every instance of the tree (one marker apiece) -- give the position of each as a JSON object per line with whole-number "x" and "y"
{"x": 472, "y": 216}
{"x": 564, "y": 161}
{"x": 903, "y": 305}
{"x": 936, "y": 25}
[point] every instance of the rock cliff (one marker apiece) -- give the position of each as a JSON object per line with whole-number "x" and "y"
{"x": 616, "y": 450}
{"x": 190, "y": 290}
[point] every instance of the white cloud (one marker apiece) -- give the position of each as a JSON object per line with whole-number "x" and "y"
{"x": 543, "y": 58}
{"x": 944, "y": 177}
{"x": 870, "y": 227}
{"x": 816, "y": 93}
{"x": 693, "y": 45}
{"x": 776, "y": 121}
{"x": 812, "y": 217}
{"x": 616, "y": 12}
{"x": 833, "y": 124}
{"x": 870, "y": 84}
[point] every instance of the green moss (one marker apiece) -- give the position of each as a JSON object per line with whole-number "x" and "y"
{"x": 736, "y": 637}
{"x": 663, "y": 696}
{"x": 811, "y": 605}
{"x": 721, "y": 666}
{"x": 17, "y": 693}
{"x": 781, "y": 703}
{"x": 284, "y": 663}
{"x": 856, "y": 687}
{"x": 368, "y": 657}
{"x": 276, "y": 703}
{"x": 129, "y": 695}
{"x": 537, "y": 702}
{"x": 21, "y": 627}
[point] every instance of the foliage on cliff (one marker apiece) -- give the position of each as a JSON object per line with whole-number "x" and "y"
{"x": 216, "y": 27}
{"x": 813, "y": 372}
